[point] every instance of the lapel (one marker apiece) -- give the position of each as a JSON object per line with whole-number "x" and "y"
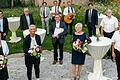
{"x": 25, "y": 20}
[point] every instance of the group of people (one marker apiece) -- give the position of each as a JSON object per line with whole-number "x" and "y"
{"x": 109, "y": 28}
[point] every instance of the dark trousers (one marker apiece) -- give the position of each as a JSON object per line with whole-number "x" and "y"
{"x": 70, "y": 27}
{"x": 109, "y": 35}
{"x": 55, "y": 46}
{"x": 91, "y": 29}
{"x": 4, "y": 74}
{"x": 29, "y": 62}
{"x": 118, "y": 62}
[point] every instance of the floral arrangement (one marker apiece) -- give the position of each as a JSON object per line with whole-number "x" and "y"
{"x": 3, "y": 61}
{"x": 35, "y": 51}
{"x": 80, "y": 46}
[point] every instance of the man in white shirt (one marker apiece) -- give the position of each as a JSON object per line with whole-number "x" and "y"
{"x": 116, "y": 49}
{"x": 58, "y": 40}
{"x": 109, "y": 25}
{"x": 3, "y": 25}
{"x": 55, "y": 10}
{"x": 45, "y": 15}
{"x": 30, "y": 41}
{"x": 26, "y": 19}
{"x": 67, "y": 10}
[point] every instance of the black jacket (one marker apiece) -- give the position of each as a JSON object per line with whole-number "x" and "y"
{"x": 27, "y": 43}
{"x": 23, "y": 21}
{"x": 94, "y": 17}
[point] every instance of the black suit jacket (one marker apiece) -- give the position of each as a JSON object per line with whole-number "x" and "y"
{"x": 5, "y": 25}
{"x": 94, "y": 17}
{"x": 27, "y": 43}
{"x": 23, "y": 21}
{"x": 61, "y": 35}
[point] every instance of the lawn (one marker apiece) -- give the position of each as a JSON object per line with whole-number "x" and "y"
{"x": 17, "y": 47}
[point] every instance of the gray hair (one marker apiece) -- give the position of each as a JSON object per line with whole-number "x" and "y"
{"x": 32, "y": 26}
{"x": 79, "y": 24}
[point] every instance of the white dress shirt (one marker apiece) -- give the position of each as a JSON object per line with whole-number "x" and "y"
{"x": 33, "y": 42}
{"x": 65, "y": 12}
{"x": 28, "y": 20}
{"x": 116, "y": 39}
{"x": 109, "y": 24}
{"x": 1, "y": 25}
{"x": 5, "y": 47}
{"x": 58, "y": 24}
{"x": 53, "y": 9}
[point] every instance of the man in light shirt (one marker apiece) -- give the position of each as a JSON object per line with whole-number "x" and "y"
{"x": 58, "y": 40}
{"x": 26, "y": 19}
{"x": 55, "y": 10}
{"x": 3, "y": 25}
{"x": 67, "y": 10}
{"x": 45, "y": 15}
{"x": 116, "y": 49}
{"x": 30, "y": 41}
{"x": 109, "y": 25}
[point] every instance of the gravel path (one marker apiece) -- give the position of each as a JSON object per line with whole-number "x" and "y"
{"x": 17, "y": 69}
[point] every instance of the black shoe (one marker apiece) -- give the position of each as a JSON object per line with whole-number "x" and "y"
{"x": 60, "y": 62}
{"x": 54, "y": 62}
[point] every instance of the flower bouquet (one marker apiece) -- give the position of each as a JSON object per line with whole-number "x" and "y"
{"x": 3, "y": 61}
{"x": 80, "y": 46}
{"x": 35, "y": 51}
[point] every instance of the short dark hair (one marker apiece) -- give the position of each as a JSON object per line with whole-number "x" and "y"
{"x": 44, "y": 3}
{"x": 90, "y": 4}
{"x": 1, "y": 11}
{"x": 68, "y": 1}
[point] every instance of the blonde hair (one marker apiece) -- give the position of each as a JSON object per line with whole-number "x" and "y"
{"x": 79, "y": 24}
{"x": 32, "y": 26}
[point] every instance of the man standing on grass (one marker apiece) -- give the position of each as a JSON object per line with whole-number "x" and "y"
{"x": 3, "y": 25}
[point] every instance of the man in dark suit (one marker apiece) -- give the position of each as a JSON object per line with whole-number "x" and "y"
{"x": 91, "y": 19}
{"x": 3, "y": 26}
{"x": 29, "y": 42}
{"x": 58, "y": 39}
{"x": 26, "y": 19}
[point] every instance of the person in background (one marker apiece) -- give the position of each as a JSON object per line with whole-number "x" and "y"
{"x": 4, "y": 51}
{"x": 58, "y": 40}
{"x": 91, "y": 19}
{"x": 30, "y": 41}
{"x": 71, "y": 10}
{"x": 3, "y": 26}
{"x": 116, "y": 49}
{"x": 45, "y": 16}
{"x": 26, "y": 19}
{"x": 78, "y": 57}
{"x": 109, "y": 25}
{"x": 55, "y": 10}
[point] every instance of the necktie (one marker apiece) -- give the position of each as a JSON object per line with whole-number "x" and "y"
{"x": 44, "y": 12}
{"x": 68, "y": 9}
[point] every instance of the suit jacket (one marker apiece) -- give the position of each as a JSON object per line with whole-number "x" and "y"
{"x": 61, "y": 35}
{"x": 5, "y": 25}
{"x": 47, "y": 11}
{"x": 23, "y": 21}
{"x": 27, "y": 43}
{"x": 94, "y": 17}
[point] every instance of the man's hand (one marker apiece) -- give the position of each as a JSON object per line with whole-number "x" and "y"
{"x": 4, "y": 34}
{"x": 113, "y": 55}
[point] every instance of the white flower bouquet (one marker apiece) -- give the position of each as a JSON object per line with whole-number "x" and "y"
{"x": 35, "y": 51}
{"x": 3, "y": 61}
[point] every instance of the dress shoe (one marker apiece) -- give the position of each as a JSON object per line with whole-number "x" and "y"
{"x": 61, "y": 62}
{"x": 54, "y": 62}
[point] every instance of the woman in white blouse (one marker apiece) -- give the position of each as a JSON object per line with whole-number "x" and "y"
{"x": 4, "y": 50}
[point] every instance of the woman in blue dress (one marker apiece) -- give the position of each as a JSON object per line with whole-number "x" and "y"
{"x": 78, "y": 57}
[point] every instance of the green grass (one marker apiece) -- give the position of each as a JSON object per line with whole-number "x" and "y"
{"x": 47, "y": 44}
